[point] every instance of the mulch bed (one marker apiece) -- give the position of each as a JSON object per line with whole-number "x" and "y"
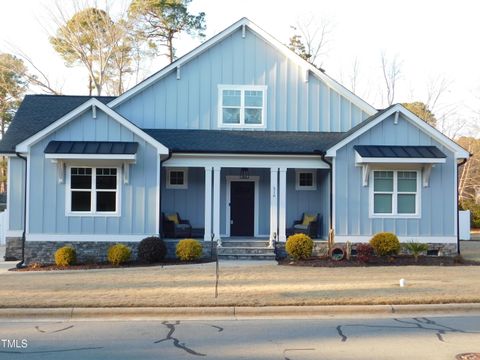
{"x": 52, "y": 267}
{"x": 398, "y": 260}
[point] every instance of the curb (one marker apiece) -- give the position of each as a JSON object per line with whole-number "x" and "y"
{"x": 233, "y": 312}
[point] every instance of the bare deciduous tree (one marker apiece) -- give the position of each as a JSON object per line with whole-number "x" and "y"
{"x": 314, "y": 36}
{"x": 391, "y": 70}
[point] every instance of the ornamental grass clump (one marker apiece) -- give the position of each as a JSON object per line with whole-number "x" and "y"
{"x": 118, "y": 254}
{"x": 299, "y": 246}
{"x": 385, "y": 243}
{"x": 416, "y": 249}
{"x": 65, "y": 256}
{"x": 188, "y": 249}
{"x": 151, "y": 249}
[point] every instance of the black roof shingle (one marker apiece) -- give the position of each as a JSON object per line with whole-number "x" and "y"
{"x": 238, "y": 141}
{"x": 37, "y": 112}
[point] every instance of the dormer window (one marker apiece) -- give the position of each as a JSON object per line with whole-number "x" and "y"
{"x": 241, "y": 106}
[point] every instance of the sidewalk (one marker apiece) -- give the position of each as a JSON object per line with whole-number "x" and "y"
{"x": 237, "y": 312}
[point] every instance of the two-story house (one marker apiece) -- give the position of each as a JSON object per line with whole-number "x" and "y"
{"x": 241, "y": 137}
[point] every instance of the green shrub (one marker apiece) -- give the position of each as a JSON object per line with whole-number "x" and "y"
{"x": 474, "y": 212}
{"x": 118, "y": 254}
{"x": 415, "y": 249}
{"x": 299, "y": 246}
{"x": 65, "y": 256}
{"x": 385, "y": 243}
{"x": 151, "y": 249}
{"x": 188, "y": 249}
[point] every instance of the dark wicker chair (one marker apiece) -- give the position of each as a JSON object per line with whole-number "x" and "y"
{"x": 312, "y": 229}
{"x": 173, "y": 230}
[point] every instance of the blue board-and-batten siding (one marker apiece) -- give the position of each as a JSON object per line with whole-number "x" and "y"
{"x": 138, "y": 197}
{"x": 352, "y": 198}
{"x": 191, "y": 102}
{"x": 16, "y": 189}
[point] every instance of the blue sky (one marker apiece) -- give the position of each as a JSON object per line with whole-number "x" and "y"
{"x": 432, "y": 39}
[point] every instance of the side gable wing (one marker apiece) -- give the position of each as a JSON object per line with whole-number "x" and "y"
{"x": 397, "y": 109}
{"x": 93, "y": 105}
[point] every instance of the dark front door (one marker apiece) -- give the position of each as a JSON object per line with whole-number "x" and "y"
{"x": 242, "y": 208}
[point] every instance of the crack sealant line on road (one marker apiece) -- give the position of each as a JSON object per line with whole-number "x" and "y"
{"x": 232, "y": 312}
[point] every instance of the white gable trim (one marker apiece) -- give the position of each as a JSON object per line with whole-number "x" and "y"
{"x": 242, "y": 23}
{"x": 93, "y": 103}
{"x": 460, "y": 153}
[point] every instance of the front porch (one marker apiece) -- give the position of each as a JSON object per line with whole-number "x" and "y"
{"x": 246, "y": 197}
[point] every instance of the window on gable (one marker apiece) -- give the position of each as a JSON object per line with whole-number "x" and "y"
{"x": 241, "y": 106}
{"x": 92, "y": 190}
{"x": 306, "y": 180}
{"x": 177, "y": 178}
{"x": 395, "y": 192}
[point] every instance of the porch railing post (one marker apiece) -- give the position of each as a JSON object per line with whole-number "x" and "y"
{"x": 208, "y": 204}
{"x": 273, "y": 206}
{"x": 216, "y": 204}
{"x": 282, "y": 205}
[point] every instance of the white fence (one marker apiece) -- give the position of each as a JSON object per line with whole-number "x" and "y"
{"x": 464, "y": 224}
{"x": 3, "y": 227}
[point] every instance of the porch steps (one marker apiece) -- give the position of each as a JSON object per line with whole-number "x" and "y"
{"x": 245, "y": 250}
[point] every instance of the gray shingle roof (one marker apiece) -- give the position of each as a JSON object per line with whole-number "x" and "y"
{"x": 91, "y": 147}
{"x": 386, "y": 151}
{"x": 237, "y": 141}
{"x": 37, "y": 112}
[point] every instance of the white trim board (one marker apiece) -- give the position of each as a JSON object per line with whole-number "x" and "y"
{"x": 246, "y": 161}
{"x": 284, "y": 50}
{"x": 86, "y": 237}
{"x": 25, "y": 145}
{"x": 255, "y": 180}
{"x": 402, "y": 239}
{"x": 460, "y": 153}
{"x": 131, "y": 157}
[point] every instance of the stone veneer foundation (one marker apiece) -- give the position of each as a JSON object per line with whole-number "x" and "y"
{"x": 13, "y": 248}
{"x": 89, "y": 252}
{"x": 320, "y": 248}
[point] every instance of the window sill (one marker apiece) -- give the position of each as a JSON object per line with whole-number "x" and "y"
{"x": 394, "y": 216}
{"x": 90, "y": 214}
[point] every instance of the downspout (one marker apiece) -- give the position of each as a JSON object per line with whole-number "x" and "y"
{"x": 458, "y": 212}
{"x": 160, "y": 232}
{"x": 21, "y": 264}
{"x": 329, "y": 163}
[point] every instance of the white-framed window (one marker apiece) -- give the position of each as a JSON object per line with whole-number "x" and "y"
{"x": 177, "y": 178}
{"x": 305, "y": 179}
{"x": 395, "y": 193}
{"x": 93, "y": 191}
{"x": 242, "y": 106}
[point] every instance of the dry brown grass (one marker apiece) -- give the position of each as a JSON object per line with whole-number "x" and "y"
{"x": 193, "y": 285}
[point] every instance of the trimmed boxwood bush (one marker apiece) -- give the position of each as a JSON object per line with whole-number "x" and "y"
{"x": 152, "y": 249}
{"x": 385, "y": 243}
{"x": 299, "y": 246}
{"x": 65, "y": 256}
{"x": 118, "y": 254}
{"x": 188, "y": 249}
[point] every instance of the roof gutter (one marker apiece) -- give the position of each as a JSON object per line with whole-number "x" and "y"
{"x": 458, "y": 212}
{"x": 21, "y": 264}
{"x": 329, "y": 163}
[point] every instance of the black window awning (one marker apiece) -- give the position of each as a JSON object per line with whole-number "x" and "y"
{"x": 422, "y": 153}
{"x": 120, "y": 150}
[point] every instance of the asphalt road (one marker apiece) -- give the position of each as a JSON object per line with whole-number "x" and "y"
{"x": 383, "y": 338}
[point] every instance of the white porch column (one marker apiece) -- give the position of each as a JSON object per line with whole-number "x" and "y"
{"x": 273, "y": 205}
{"x": 216, "y": 205}
{"x": 282, "y": 205}
{"x": 208, "y": 204}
